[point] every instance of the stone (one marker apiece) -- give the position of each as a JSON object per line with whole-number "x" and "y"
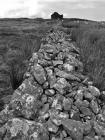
{"x": 88, "y": 96}
{"x": 102, "y": 96}
{"x": 80, "y": 103}
{"x": 68, "y": 67}
{"x": 44, "y": 109}
{"x": 75, "y": 115}
{"x": 22, "y": 129}
{"x": 35, "y": 58}
{"x": 94, "y": 91}
{"x": 87, "y": 127}
{"x": 51, "y": 77}
{"x": 49, "y": 48}
{"x": 67, "y": 104}
{"x": 49, "y": 92}
{"x": 54, "y": 138}
{"x": 60, "y": 56}
{"x": 61, "y": 85}
{"x": 56, "y": 116}
{"x": 73, "y": 128}
{"x": 55, "y": 63}
{"x": 64, "y": 133}
{"x": 45, "y": 85}
{"x": 100, "y": 130}
{"x": 94, "y": 106}
{"x": 26, "y": 105}
{"x": 51, "y": 127}
{"x": 79, "y": 95}
{"x": 89, "y": 138}
{"x": 67, "y": 76}
{"x": 47, "y": 56}
{"x": 44, "y": 98}
{"x": 39, "y": 74}
{"x": 68, "y": 138}
{"x": 85, "y": 111}
{"x": 44, "y": 63}
{"x": 28, "y": 86}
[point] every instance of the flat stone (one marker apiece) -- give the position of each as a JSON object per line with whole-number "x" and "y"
{"x": 80, "y": 103}
{"x": 50, "y": 92}
{"x": 58, "y": 62}
{"x": 94, "y": 106}
{"x": 73, "y": 128}
{"x": 44, "y": 63}
{"x": 89, "y": 138}
{"x": 67, "y": 76}
{"x": 39, "y": 74}
{"x": 49, "y": 48}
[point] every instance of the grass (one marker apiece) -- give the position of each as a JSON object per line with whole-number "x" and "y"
{"x": 19, "y": 38}
{"x": 90, "y": 38}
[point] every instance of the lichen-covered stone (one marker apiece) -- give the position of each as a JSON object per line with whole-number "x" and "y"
{"x": 17, "y": 128}
{"x": 67, "y": 76}
{"x": 39, "y": 73}
{"x": 94, "y": 91}
{"x": 51, "y": 127}
{"x": 61, "y": 85}
{"x": 73, "y": 128}
{"x": 94, "y": 106}
{"x": 99, "y": 129}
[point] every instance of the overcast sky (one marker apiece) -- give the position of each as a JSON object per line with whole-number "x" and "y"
{"x": 88, "y": 9}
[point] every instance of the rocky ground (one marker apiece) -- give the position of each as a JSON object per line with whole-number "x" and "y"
{"x": 55, "y": 101}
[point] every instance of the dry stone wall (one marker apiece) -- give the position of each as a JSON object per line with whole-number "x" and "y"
{"x": 55, "y": 101}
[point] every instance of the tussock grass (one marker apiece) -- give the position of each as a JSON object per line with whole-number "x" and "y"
{"x": 90, "y": 38}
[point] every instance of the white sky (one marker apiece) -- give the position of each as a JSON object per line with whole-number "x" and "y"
{"x": 89, "y": 9}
